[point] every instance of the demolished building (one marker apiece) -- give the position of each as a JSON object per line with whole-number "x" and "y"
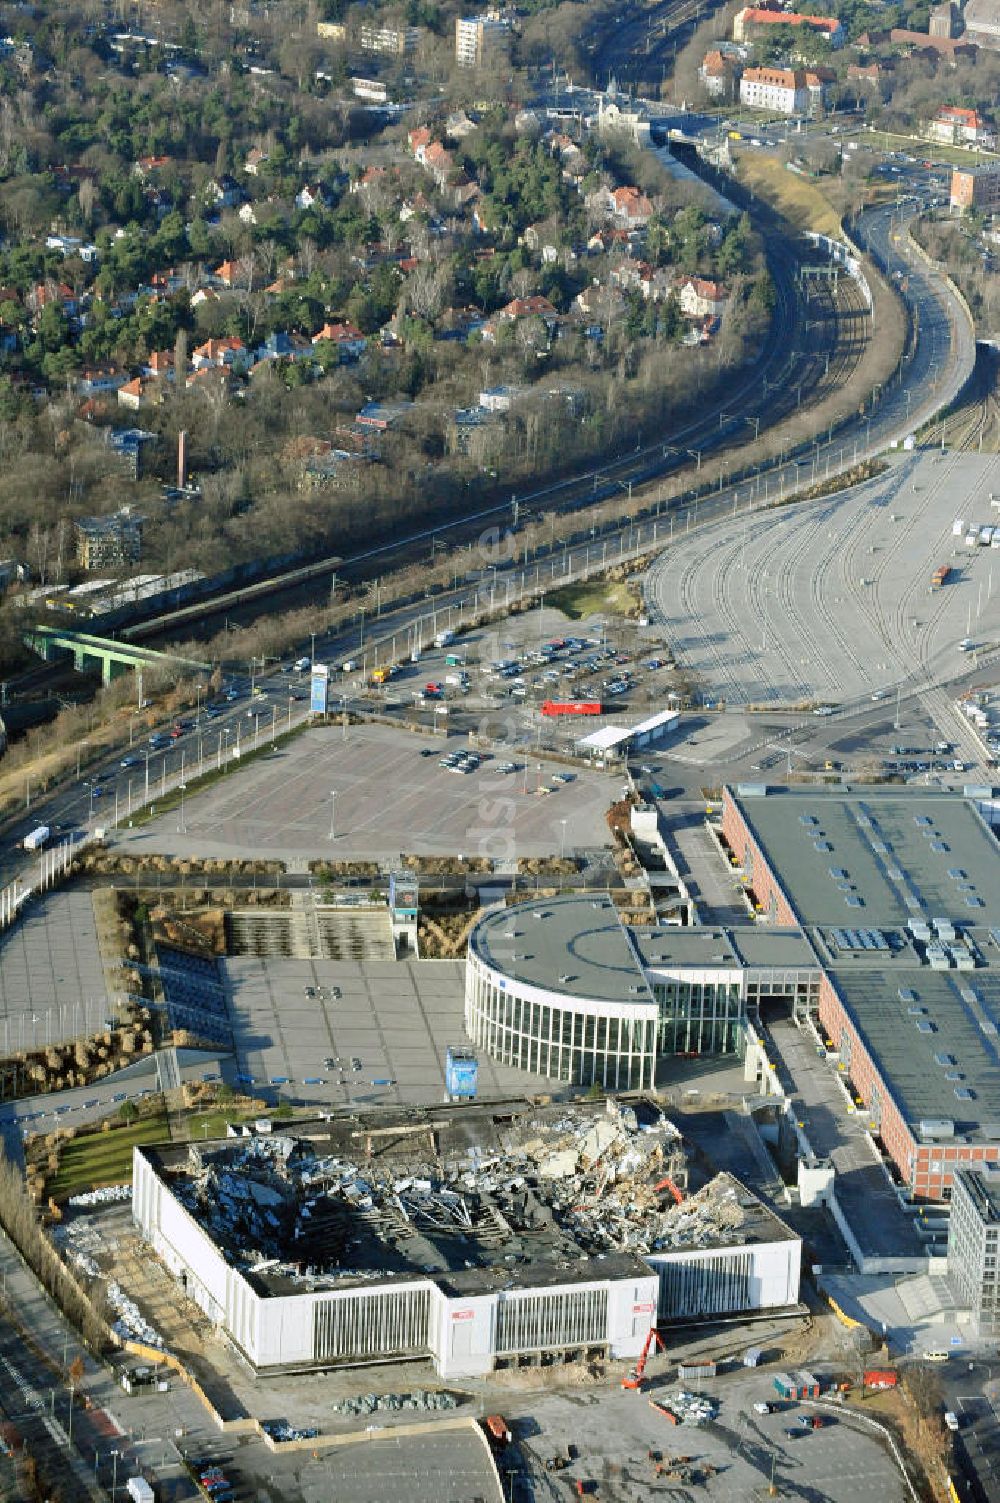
{"x": 480, "y": 1236}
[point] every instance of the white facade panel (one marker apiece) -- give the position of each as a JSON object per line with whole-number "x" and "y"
{"x": 702, "y": 1282}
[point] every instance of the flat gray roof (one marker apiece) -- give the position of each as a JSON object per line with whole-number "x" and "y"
{"x": 874, "y": 859}
{"x": 983, "y": 1189}
{"x": 670, "y": 945}
{"x": 575, "y": 945}
{"x": 930, "y": 1054}
{"x": 870, "y": 858}
{"x": 744, "y": 948}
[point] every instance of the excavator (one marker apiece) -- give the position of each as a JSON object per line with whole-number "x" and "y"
{"x": 636, "y": 1375}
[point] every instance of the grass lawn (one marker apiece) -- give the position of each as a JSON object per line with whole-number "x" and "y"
{"x": 926, "y": 151}
{"x": 798, "y": 198}
{"x": 104, "y": 1158}
{"x": 590, "y": 598}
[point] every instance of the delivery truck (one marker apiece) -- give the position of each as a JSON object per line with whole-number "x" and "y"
{"x": 36, "y": 838}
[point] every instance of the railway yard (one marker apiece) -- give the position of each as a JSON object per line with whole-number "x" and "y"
{"x": 831, "y": 602}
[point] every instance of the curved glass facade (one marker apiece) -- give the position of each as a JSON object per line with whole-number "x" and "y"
{"x": 573, "y": 1039}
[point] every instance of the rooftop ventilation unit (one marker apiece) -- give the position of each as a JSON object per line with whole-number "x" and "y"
{"x": 944, "y": 1059}
{"x": 853, "y": 901}
{"x": 939, "y": 846}
{"x": 823, "y": 846}
{"x": 907, "y": 994}
{"x": 956, "y": 874}
{"x": 936, "y": 1127}
{"x": 924, "y": 1025}
{"x": 962, "y": 1093}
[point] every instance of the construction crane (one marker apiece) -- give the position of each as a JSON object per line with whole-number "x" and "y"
{"x": 634, "y": 1378}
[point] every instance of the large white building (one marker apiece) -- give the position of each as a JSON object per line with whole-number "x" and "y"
{"x": 780, "y": 89}
{"x": 467, "y": 1235}
{"x": 563, "y": 988}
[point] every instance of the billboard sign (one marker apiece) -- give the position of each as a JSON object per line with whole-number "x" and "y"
{"x": 319, "y": 689}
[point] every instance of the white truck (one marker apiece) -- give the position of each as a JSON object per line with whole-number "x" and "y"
{"x": 36, "y": 838}
{"x": 139, "y": 1490}
{"x": 444, "y": 638}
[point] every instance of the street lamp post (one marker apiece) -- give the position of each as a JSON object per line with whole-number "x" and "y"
{"x": 181, "y": 827}
{"x": 333, "y": 805}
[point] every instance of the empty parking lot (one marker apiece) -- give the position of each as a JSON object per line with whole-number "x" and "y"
{"x": 371, "y": 794}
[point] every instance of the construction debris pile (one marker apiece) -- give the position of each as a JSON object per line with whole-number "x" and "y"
{"x": 371, "y": 1403}
{"x": 106, "y": 1195}
{"x": 283, "y": 1431}
{"x": 344, "y": 1201}
{"x": 721, "y": 1211}
{"x": 684, "y": 1408}
{"x": 131, "y": 1324}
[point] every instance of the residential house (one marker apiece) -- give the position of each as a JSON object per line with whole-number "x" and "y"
{"x": 500, "y": 398}
{"x": 458, "y": 323}
{"x": 543, "y": 239}
{"x": 372, "y": 177}
{"x": 418, "y": 141}
{"x": 311, "y": 194}
{"x": 95, "y": 379}
{"x": 348, "y": 340}
{"x": 231, "y": 273}
{"x": 204, "y": 295}
{"x": 381, "y": 416}
{"x": 458, "y": 126}
{"x": 632, "y": 208}
{"x": 224, "y": 192}
{"x": 44, "y": 293}
{"x": 229, "y": 351}
{"x": 439, "y": 162}
{"x": 72, "y": 245}
{"x": 160, "y": 365}
{"x": 719, "y": 73}
{"x": 519, "y": 308}
{"x": 139, "y": 392}
{"x": 255, "y": 159}
{"x": 599, "y": 306}
{"x": 955, "y": 126}
{"x": 149, "y": 168}
{"x": 782, "y": 90}
{"x": 282, "y": 346}
{"x": 699, "y": 297}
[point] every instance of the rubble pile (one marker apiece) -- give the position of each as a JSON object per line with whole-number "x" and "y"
{"x": 371, "y": 1403}
{"x": 131, "y": 1324}
{"x": 692, "y": 1408}
{"x": 106, "y": 1195}
{"x": 720, "y": 1207}
{"x": 565, "y": 1185}
{"x": 283, "y": 1431}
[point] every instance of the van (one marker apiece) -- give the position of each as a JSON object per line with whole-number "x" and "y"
{"x": 937, "y": 1355}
